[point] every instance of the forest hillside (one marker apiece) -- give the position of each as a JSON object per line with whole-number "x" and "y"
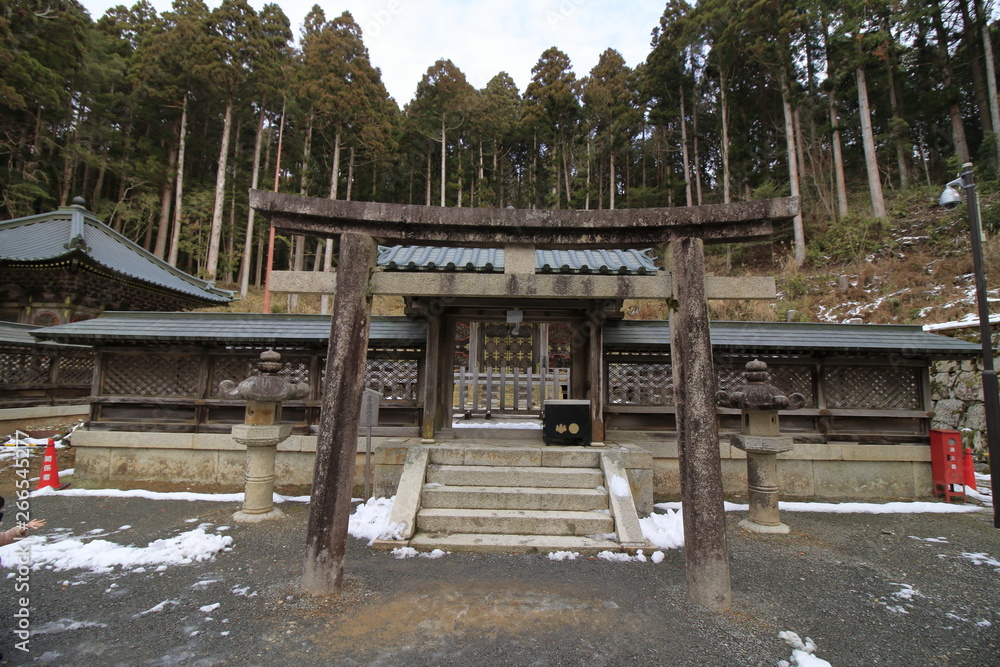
{"x": 164, "y": 121}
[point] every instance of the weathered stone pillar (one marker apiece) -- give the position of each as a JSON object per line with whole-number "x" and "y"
{"x": 761, "y": 439}
{"x": 337, "y": 442}
{"x": 261, "y": 432}
{"x": 706, "y": 551}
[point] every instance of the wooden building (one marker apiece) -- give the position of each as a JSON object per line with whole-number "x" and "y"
{"x": 67, "y": 265}
{"x": 156, "y": 406}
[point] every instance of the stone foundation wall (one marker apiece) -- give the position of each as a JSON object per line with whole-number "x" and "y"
{"x": 957, "y": 392}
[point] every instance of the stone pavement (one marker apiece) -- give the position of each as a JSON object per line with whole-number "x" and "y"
{"x": 897, "y": 589}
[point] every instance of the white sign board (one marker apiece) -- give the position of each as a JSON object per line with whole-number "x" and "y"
{"x": 369, "y": 408}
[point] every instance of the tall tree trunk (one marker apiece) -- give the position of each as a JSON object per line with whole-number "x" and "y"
{"x": 724, "y": 110}
{"x": 898, "y": 126}
{"x": 799, "y": 240}
{"x": 686, "y": 159}
{"x": 350, "y": 174}
{"x": 566, "y": 174}
{"x": 258, "y": 142}
{"x": 991, "y": 80}
{"x": 868, "y": 137}
{"x": 306, "y": 156}
{"x": 215, "y": 235}
{"x": 175, "y": 237}
{"x": 427, "y": 193}
{"x": 958, "y": 137}
{"x": 444, "y": 154}
{"x": 612, "y": 186}
{"x": 838, "y": 155}
{"x": 973, "y": 54}
{"x": 163, "y": 231}
{"x": 586, "y": 205}
{"x": 335, "y": 171}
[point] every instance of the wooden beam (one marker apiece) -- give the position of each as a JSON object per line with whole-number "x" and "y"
{"x": 530, "y": 286}
{"x": 336, "y": 443}
{"x": 477, "y": 227}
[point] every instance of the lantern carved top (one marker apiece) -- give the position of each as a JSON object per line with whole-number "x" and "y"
{"x": 267, "y": 386}
{"x": 757, "y": 392}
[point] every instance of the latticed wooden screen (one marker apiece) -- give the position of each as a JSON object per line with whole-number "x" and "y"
{"x": 640, "y": 384}
{"x": 789, "y": 378}
{"x": 18, "y": 368}
{"x": 76, "y": 370}
{"x": 872, "y": 387}
{"x": 395, "y": 379}
{"x": 295, "y": 369}
{"x": 151, "y": 375}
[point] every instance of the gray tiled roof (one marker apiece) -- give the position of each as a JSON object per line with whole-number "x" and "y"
{"x": 223, "y": 328}
{"x": 430, "y": 258}
{"x": 798, "y": 337}
{"x": 313, "y": 330}
{"x": 72, "y": 230}
{"x": 18, "y": 335}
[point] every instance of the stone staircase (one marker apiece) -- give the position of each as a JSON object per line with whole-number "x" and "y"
{"x": 516, "y": 499}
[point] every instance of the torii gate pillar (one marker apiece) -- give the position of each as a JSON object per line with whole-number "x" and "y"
{"x": 337, "y": 442}
{"x": 705, "y": 547}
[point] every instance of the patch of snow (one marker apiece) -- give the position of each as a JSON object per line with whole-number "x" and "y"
{"x": 618, "y": 557}
{"x": 209, "y": 608}
{"x": 492, "y": 424}
{"x": 65, "y": 625}
{"x": 103, "y": 556}
{"x": 657, "y": 557}
{"x": 665, "y": 531}
{"x": 563, "y": 555}
{"x": 620, "y": 487}
{"x": 243, "y": 591}
{"x": 370, "y": 521}
{"x": 161, "y": 495}
{"x": 907, "y": 592}
{"x": 404, "y": 552}
{"x": 918, "y": 507}
{"x": 938, "y": 540}
{"x": 802, "y": 652}
{"x": 982, "y": 559}
{"x": 158, "y": 608}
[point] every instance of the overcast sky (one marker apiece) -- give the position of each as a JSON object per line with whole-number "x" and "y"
{"x": 482, "y": 37}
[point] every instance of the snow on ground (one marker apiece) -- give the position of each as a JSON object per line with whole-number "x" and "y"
{"x": 666, "y": 530}
{"x": 161, "y": 495}
{"x": 525, "y": 425}
{"x": 370, "y": 521}
{"x": 58, "y": 552}
{"x": 916, "y": 507}
{"x": 802, "y": 652}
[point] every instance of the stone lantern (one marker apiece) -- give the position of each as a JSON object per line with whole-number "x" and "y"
{"x": 761, "y": 439}
{"x": 260, "y": 432}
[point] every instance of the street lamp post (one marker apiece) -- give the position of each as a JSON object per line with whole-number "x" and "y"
{"x": 991, "y": 396}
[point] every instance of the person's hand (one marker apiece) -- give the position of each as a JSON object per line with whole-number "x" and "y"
{"x": 35, "y": 524}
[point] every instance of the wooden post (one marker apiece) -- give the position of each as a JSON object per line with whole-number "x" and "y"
{"x": 431, "y": 381}
{"x": 595, "y": 379}
{"x": 446, "y": 373}
{"x": 705, "y": 549}
{"x": 337, "y": 442}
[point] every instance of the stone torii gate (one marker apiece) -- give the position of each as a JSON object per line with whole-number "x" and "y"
{"x": 681, "y": 232}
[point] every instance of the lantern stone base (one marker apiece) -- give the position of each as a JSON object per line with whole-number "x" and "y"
{"x": 243, "y": 516}
{"x": 754, "y": 527}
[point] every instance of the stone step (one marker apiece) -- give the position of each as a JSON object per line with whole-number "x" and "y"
{"x": 514, "y": 522}
{"x": 508, "y": 544}
{"x": 538, "y": 477}
{"x": 513, "y": 498}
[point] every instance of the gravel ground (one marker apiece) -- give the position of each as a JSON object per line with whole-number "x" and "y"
{"x": 835, "y": 578}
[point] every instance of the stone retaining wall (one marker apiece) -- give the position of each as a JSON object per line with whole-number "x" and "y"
{"x": 957, "y": 392}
